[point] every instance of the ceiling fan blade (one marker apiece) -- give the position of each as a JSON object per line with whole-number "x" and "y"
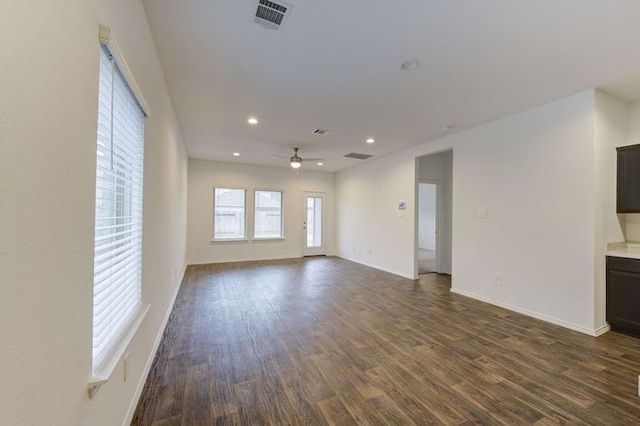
{"x": 281, "y": 156}
{"x": 313, "y": 159}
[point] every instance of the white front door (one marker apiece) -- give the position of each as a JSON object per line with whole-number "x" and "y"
{"x": 313, "y": 224}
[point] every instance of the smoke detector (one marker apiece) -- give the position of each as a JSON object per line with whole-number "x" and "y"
{"x": 272, "y": 15}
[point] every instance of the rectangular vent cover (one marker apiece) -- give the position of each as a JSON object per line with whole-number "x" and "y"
{"x": 272, "y": 15}
{"x": 321, "y": 132}
{"x": 358, "y": 156}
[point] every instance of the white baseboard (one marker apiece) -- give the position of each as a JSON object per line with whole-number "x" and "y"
{"x": 234, "y": 260}
{"x": 591, "y": 332}
{"x": 136, "y": 396}
{"x": 391, "y": 271}
{"x": 601, "y": 330}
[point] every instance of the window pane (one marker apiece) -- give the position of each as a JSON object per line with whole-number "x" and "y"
{"x": 268, "y": 214}
{"x": 314, "y": 222}
{"x": 229, "y": 213}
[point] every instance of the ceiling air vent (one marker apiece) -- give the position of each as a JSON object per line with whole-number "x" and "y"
{"x": 272, "y": 15}
{"x": 358, "y": 156}
{"x": 321, "y": 132}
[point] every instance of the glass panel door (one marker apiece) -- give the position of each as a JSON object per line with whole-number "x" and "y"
{"x": 313, "y": 224}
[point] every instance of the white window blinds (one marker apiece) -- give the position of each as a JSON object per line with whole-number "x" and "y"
{"x": 267, "y": 217}
{"x": 229, "y": 216}
{"x": 117, "y": 284}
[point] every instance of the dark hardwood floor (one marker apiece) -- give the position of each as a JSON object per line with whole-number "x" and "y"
{"x": 328, "y": 341}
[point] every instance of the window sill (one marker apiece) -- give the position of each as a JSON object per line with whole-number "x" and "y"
{"x": 102, "y": 374}
{"x": 269, "y": 239}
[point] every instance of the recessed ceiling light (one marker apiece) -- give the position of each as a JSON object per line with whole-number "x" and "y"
{"x": 371, "y": 140}
{"x": 409, "y": 64}
{"x": 320, "y": 163}
{"x": 252, "y": 121}
{"x": 236, "y": 154}
{"x": 449, "y": 127}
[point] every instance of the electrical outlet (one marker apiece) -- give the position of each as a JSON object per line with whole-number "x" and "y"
{"x": 126, "y": 366}
{"x": 497, "y": 280}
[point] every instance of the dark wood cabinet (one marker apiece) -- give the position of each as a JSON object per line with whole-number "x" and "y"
{"x": 623, "y": 295}
{"x": 628, "y": 187}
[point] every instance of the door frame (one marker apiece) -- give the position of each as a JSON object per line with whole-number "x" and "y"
{"x": 314, "y": 251}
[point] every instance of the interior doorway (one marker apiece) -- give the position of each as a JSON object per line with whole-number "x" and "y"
{"x": 427, "y": 227}
{"x": 433, "y": 213}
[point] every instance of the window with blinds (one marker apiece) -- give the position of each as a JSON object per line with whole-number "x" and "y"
{"x": 229, "y": 216}
{"x": 117, "y": 281}
{"x": 267, "y": 215}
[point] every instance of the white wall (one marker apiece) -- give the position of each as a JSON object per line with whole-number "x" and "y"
{"x": 427, "y": 216}
{"x": 633, "y": 124}
{"x": 534, "y": 172}
{"x": 631, "y": 221}
{"x": 48, "y": 108}
{"x": 611, "y": 127}
{"x": 439, "y": 168}
{"x": 370, "y": 227}
{"x": 205, "y": 175}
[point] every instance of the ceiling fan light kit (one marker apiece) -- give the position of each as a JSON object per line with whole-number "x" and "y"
{"x": 295, "y": 161}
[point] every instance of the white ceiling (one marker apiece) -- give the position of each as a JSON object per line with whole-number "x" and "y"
{"x": 335, "y": 65}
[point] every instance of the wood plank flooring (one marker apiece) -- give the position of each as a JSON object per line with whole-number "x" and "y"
{"x": 322, "y": 341}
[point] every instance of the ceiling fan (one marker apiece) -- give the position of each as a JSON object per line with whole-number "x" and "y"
{"x": 295, "y": 160}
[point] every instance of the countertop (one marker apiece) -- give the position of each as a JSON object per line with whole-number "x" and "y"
{"x": 628, "y": 250}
